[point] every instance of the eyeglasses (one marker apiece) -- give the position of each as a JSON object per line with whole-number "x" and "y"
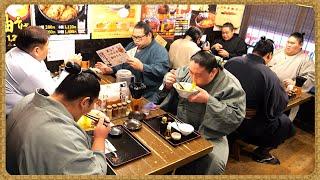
{"x": 137, "y": 37}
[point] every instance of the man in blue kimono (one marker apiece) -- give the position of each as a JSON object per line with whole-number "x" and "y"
{"x": 265, "y": 124}
{"x": 150, "y": 63}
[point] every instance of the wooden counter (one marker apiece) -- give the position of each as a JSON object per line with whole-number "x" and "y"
{"x": 299, "y": 100}
{"x": 164, "y": 157}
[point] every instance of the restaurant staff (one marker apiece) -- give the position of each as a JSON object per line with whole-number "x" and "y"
{"x": 25, "y": 67}
{"x": 150, "y": 63}
{"x": 43, "y": 136}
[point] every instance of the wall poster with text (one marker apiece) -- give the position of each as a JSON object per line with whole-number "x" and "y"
{"x": 17, "y": 18}
{"x": 113, "y": 21}
{"x": 232, "y": 13}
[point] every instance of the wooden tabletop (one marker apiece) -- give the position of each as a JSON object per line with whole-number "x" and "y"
{"x": 299, "y": 100}
{"x": 164, "y": 157}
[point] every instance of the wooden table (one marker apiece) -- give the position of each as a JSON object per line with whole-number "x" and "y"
{"x": 164, "y": 157}
{"x": 299, "y": 100}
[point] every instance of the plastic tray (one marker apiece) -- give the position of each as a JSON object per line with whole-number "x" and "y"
{"x": 154, "y": 124}
{"x": 128, "y": 147}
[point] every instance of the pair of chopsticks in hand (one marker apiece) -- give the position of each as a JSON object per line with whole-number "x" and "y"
{"x": 96, "y": 119}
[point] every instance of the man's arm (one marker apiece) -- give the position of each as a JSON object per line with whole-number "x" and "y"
{"x": 307, "y": 71}
{"x": 224, "y": 114}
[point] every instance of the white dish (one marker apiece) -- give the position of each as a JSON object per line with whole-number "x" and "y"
{"x": 184, "y": 128}
{"x": 186, "y": 90}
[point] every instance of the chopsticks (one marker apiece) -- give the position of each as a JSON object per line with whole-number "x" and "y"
{"x": 96, "y": 119}
{"x": 181, "y": 86}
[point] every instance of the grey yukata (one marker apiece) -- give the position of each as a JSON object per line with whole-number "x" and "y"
{"x": 43, "y": 138}
{"x": 222, "y": 115}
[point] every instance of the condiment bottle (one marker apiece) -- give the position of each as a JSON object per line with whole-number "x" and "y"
{"x": 129, "y": 108}
{"x": 61, "y": 68}
{"x": 109, "y": 111}
{"x": 124, "y": 109}
{"x": 115, "y": 111}
{"x": 167, "y": 134}
{"x": 163, "y": 125}
{"x": 120, "y": 109}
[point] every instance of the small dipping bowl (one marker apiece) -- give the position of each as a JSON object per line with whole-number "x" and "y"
{"x": 132, "y": 124}
{"x": 115, "y": 131}
{"x": 176, "y": 136}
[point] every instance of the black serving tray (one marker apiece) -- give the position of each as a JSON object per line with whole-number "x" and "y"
{"x": 154, "y": 124}
{"x": 128, "y": 147}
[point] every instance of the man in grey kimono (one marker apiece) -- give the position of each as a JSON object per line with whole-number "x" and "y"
{"x": 43, "y": 136}
{"x": 216, "y": 111}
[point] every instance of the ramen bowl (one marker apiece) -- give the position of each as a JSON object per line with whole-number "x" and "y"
{"x": 185, "y": 89}
{"x": 185, "y": 129}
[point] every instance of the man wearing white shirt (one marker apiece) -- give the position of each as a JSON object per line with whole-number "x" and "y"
{"x": 25, "y": 68}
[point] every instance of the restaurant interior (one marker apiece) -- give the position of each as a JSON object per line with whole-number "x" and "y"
{"x": 87, "y": 34}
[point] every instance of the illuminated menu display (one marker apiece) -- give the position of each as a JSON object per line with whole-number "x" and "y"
{"x": 62, "y": 19}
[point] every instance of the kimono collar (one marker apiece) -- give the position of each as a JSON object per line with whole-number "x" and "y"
{"x": 42, "y": 99}
{"x": 216, "y": 80}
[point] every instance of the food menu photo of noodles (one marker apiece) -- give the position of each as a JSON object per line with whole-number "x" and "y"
{"x": 61, "y": 19}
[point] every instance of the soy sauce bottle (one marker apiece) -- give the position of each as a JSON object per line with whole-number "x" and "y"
{"x": 163, "y": 125}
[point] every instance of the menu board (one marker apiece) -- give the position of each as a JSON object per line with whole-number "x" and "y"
{"x": 181, "y": 26}
{"x": 17, "y": 18}
{"x": 229, "y": 13}
{"x": 62, "y": 20}
{"x": 113, "y": 55}
{"x": 162, "y": 18}
{"x": 112, "y": 21}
